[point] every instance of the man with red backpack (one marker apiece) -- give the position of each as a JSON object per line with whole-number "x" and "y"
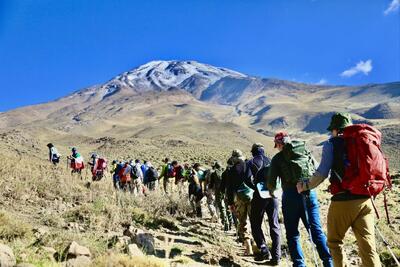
{"x": 125, "y": 179}
{"x": 358, "y": 172}
{"x": 98, "y": 166}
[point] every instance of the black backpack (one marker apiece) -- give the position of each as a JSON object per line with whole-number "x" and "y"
{"x": 256, "y": 169}
{"x": 135, "y": 172}
{"x": 152, "y": 174}
{"x": 215, "y": 179}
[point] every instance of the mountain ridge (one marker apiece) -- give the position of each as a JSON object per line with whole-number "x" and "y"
{"x": 193, "y": 82}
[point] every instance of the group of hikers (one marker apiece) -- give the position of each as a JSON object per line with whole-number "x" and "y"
{"x": 247, "y": 189}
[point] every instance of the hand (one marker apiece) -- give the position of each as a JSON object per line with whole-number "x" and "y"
{"x": 300, "y": 187}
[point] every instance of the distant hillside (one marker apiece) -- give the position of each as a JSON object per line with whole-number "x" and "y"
{"x": 168, "y": 93}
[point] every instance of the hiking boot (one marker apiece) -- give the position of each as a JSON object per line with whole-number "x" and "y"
{"x": 274, "y": 262}
{"x": 198, "y": 212}
{"x": 263, "y": 255}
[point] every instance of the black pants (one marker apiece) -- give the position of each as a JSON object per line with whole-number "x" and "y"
{"x": 259, "y": 206}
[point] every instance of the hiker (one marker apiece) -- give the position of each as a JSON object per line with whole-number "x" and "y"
{"x": 211, "y": 178}
{"x": 195, "y": 191}
{"x": 260, "y": 205}
{"x": 214, "y": 188}
{"x": 76, "y": 161}
{"x": 98, "y": 166}
{"x": 93, "y": 163}
{"x": 168, "y": 174}
{"x": 125, "y": 177}
{"x": 350, "y": 206}
{"x": 144, "y": 169}
{"x": 151, "y": 177}
{"x": 239, "y": 195}
{"x": 137, "y": 177}
{"x": 179, "y": 177}
{"x": 54, "y": 156}
{"x": 228, "y": 219}
{"x": 115, "y": 169}
{"x": 297, "y": 206}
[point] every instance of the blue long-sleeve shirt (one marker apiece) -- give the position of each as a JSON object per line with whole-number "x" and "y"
{"x": 326, "y": 159}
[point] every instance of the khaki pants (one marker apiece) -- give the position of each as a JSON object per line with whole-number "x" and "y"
{"x": 359, "y": 215}
{"x": 243, "y": 211}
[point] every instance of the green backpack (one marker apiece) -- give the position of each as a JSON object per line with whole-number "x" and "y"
{"x": 301, "y": 162}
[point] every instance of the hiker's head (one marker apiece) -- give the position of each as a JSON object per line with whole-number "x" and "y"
{"x": 137, "y": 160}
{"x": 174, "y": 163}
{"x": 196, "y": 166}
{"x": 131, "y": 162}
{"x": 114, "y": 162}
{"x": 166, "y": 160}
{"x": 339, "y": 121}
{"x": 216, "y": 165}
{"x": 281, "y": 138}
{"x": 126, "y": 163}
{"x": 145, "y": 162}
{"x": 257, "y": 149}
{"x": 237, "y": 156}
{"x": 94, "y": 155}
{"x": 50, "y": 145}
{"x": 74, "y": 150}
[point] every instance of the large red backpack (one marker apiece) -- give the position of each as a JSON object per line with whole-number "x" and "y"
{"x": 366, "y": 169}
{"x": 101, "y": 165}
{"x": 124, "y": 175}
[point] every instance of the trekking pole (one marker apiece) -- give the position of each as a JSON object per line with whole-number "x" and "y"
{"x": 387, "y": 246}
{"x": 308, "y": 227}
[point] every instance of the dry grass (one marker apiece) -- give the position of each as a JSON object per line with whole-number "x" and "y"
{"x": 44, "y": 206}
{"x": 121, "y": 260}
{"x": 12, "y": 228}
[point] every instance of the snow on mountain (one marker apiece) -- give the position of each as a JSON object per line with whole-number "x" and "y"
{"x": 163, "y": 75}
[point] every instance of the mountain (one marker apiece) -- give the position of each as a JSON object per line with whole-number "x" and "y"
{"x": 188, "y": 97}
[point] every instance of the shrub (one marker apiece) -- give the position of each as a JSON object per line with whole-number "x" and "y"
{"x": 11, "y": 228}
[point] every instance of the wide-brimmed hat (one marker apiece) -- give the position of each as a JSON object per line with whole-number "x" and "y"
{"x": 339, "y": 121}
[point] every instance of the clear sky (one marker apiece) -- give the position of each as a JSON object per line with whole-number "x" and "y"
{"x": 50, "y": 48}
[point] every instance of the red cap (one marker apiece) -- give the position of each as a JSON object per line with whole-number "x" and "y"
{"x": 279, "y": 138}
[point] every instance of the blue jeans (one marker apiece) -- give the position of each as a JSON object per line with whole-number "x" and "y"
{"x": 293, "y": 210}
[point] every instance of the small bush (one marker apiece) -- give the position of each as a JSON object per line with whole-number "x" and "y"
{"x": 11, "y": 228}
{"x": 143, "y": 218}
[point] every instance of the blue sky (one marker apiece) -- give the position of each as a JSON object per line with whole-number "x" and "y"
{"x": 50, "y": 48}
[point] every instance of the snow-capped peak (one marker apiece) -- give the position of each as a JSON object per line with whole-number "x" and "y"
{"x": 163, "y": 75}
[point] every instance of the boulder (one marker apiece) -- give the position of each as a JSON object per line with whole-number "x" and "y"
{"x": 134, "y": 251}
{"x": 7, "y": 258}
{"x": 145, "y": 241}
{"x": 75, "y": 250}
